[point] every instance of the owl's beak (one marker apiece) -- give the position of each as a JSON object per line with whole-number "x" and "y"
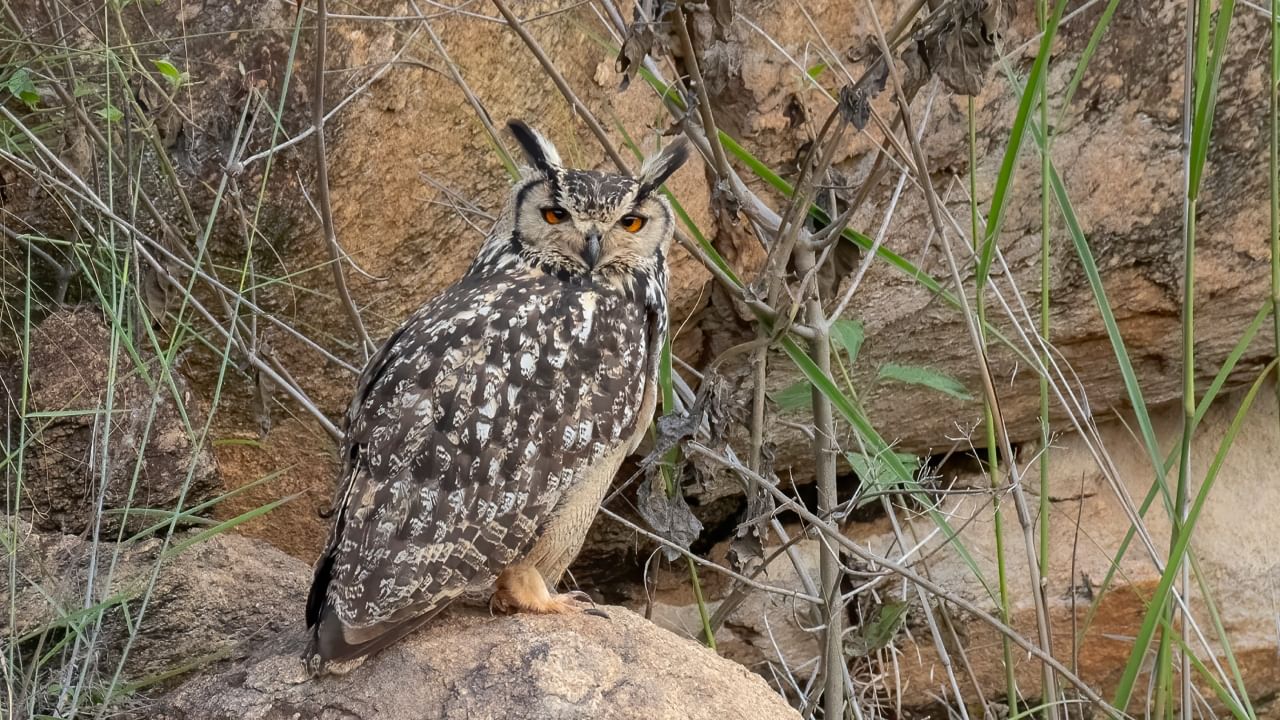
{"x": 591, "y": 250}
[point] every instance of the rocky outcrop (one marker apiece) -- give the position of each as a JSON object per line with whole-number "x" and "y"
{"x": 225, "y": 614}
{"x": 1117, "y": 147}
{"x": 88, "y": 399}
{"x": 415, "y": 182}
{"x": 1237, "y": 557}
{"x": 471, "y": 665}
{"x": 192, "y": 600}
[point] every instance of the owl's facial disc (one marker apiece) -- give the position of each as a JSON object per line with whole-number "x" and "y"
{"x": 587, "y": 224}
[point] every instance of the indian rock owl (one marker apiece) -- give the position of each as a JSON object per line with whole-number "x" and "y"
{"x": 484, "y": 433}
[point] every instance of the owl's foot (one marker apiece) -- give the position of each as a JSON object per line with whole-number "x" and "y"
{"x": 520, "y": 588}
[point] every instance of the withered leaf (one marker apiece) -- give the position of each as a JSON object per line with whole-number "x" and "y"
{"x": 649, "y": 34}
{"x": 916, "y": 72}
{"x": 722, "y": 14}
{"x": 709, "y": 404}
{"x": 855, "y": 106}
{"x": 962, "y": 49}
{"x": 746, "y": 550}
{"x": 855, "y": 99}
{"x": 668, "y": 515}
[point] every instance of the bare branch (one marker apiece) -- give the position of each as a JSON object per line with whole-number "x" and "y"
{"x": 322, "y": 185}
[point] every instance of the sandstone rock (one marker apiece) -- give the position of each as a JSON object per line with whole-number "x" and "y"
{"x": 1117, "y": 147}
{"x": 239, "y": 601}
{"x": 144, "y": 433}
{"x": 1234, "y": 542}
{"x": 206, "y": 602}
{"x": 470, "y": 665}
{"x": 1117, "y": 150}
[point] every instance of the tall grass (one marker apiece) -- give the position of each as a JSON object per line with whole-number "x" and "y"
{"x": 102, "y": 253}
{"x": 87, "y": 215}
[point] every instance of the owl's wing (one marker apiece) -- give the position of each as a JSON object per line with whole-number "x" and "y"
{"x": 465, "y": 429}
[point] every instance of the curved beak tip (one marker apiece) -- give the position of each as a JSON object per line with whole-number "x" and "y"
{"x": 591, "y": 250}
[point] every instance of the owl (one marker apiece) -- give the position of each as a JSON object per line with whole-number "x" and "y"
{"x": 484, "y": 433}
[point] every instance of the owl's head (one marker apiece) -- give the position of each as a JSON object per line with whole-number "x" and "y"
{"x": 583, "y": 225}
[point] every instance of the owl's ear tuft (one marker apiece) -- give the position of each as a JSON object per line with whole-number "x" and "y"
{"x": 659, "y": 167}
{"x": 541, "y": 153}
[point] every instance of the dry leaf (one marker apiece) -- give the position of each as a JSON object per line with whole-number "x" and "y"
{"x": 962, "y": 49}
{"x": 649, "y": 34}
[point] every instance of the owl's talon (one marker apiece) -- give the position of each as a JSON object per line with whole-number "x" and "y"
{"x": 581, "y": 596}
{"x": 520, "y": 588}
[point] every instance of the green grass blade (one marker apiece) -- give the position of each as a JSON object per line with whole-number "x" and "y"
{"x": 1207, "y": 96}
{"x": 1154, "y": 615}
{"x": 1132, "y": 387}
{"x": 1008, "y": 166}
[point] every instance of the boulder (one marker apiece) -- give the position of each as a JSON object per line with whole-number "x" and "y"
{"x": 467, "y": 664}
{"x": 208, "y": 597}
{"x": 225, "y": 616}
{"x": 152, "y": 457}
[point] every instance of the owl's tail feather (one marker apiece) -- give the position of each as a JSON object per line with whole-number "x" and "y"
{"x": 332, "y": 641}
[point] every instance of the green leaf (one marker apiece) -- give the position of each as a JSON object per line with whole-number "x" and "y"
{"x": 913, "y": 375}
{"x": 21, "y": 86}
{"x": 875, "y": 474}
{"x": 111, "y": 114}
{"x": 797, "y": 396}
{"x": 877, "y": 632}
{"x": 848, "y": 335}
{"x": 170, "y": 72}
{"x": 816, "y": 70}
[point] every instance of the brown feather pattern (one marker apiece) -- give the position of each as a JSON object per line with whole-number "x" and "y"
{"x": 486, "y": 429}
{"x": 467, "y": 428}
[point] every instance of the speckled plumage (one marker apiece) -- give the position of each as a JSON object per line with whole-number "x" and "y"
{"x": 477, "y": 428}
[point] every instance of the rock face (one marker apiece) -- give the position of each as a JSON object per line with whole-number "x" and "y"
{"x": 206, "y": 602}
{"x": 469, "y": 665}
{"x": 1117, "y": 149}
{"x": 1087, "y": 524}
{"x": 144, "y": 435}
{"x": 238, "y": 602}
{"x": 415, "y": 181}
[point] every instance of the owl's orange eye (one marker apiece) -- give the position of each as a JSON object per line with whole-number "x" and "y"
{"x": 631, "y": 223}
{"x": 554, "y": 215}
